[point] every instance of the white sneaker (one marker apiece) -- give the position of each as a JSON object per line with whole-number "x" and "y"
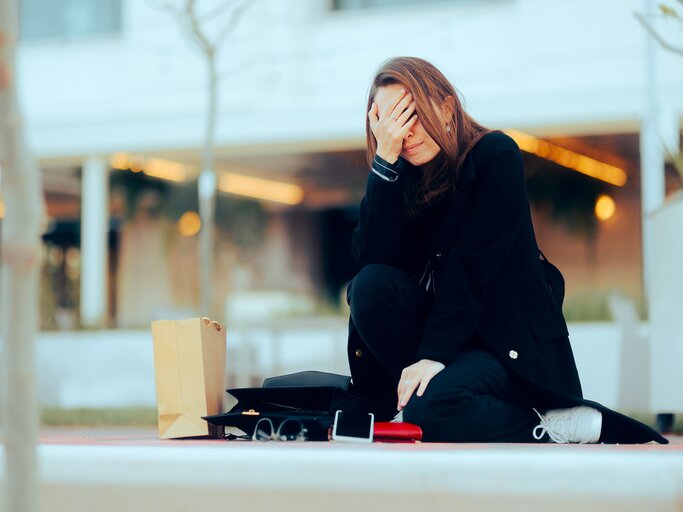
{"x": 575, "y": 425}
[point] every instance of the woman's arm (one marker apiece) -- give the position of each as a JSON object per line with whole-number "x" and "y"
{"x": 377, "y": 237}
{"x": 484, "y": 238}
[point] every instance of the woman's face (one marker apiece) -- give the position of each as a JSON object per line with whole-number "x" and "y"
{"x": 418, "y": 147}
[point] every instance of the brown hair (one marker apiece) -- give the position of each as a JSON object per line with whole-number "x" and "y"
{"x": 426, "y": 83}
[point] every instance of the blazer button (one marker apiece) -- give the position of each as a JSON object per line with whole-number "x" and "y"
{"x": 359, "y": 353}
{"x": 513, "y": 354}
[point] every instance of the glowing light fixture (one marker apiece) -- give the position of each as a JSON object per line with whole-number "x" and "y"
{"x": 189, "y": 224}
{"x": 165, "y": 169}
{"x": 566, "y": 158}
{"x": 120, "y": 160}
{"x": 231, "y": 183}
{"x": 2, "y": 209}
{"x": 154, "y": 167}
{"x": 605, "y": 207}
{"x": 260, "y": 189}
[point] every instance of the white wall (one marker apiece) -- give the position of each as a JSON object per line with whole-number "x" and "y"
{"x": 534, "y": 64}
{"x": 116, "y": 368}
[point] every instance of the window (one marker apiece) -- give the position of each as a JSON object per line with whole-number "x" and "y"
{"x": 68, "y": 19}
{"x": 347, "y": 5}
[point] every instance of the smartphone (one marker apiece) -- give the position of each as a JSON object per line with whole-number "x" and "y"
{"x": 353, "y": 428}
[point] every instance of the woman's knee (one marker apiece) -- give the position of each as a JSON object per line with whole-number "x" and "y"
{"x": 432, "y": 408}
{"x": 368, "y": 290}
{"x": 416, "y": 411}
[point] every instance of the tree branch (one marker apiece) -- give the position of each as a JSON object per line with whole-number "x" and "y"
{"x": 665, "y": 44}
{"x": 196, "y": 29}
{"x": 163, "y": 6}
{"x": 210, "y": 15}
{"x": 233, "y": 19}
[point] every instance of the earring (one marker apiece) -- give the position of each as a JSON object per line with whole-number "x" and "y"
{"x": 448, "y": 127}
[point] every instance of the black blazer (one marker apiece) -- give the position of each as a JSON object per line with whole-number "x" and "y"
{"x": 488, "y": 279}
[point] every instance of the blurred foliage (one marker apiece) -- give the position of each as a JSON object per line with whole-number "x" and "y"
{"x": 671, "y": 12}
{"x": 110, "y": 416}
{"x": 48, "y": 296}
{"x": 587, "y": 308}
{"x": 59, "y": 291}
{"x": 677, "y": 161}
{"x": 242, "y": 221}
{"x": 566, "y": 197}
{"x": 594, "y": 307}
{"x": 134, "y": 186}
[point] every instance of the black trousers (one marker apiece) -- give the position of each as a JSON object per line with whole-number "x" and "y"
{"x": 474, "y": 399}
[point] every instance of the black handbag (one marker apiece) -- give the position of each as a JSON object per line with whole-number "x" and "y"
{"x": 310, "y": 397}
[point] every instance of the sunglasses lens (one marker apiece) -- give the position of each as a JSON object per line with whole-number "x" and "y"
{"x": 263, "y": 431}
{"x": 290, "y": 430}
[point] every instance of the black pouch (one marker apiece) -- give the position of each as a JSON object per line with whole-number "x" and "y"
{"x": 280, "y": 398}
{"x": 309, "y": 378}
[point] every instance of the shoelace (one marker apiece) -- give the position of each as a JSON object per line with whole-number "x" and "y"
{"x": 553, "y": 426}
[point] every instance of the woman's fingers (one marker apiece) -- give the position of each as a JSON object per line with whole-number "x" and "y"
{"x": 401, "y": 106}
{"x": 405, "y": 121}
{"x": 418, "y": 374}
{"x": 372, "y": 116}
{"x": 406, "y": 393}
{"x": 387, "y": 112}
{"x": 423, "y": 384}
{"x": 372, "y": 113}
{"x": 390, "y": 127}
{"x": 406, "y": 127}
{"x": 406, "y": 113}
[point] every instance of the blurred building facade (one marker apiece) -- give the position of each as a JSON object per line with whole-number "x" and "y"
{"x": 114, "y": 96}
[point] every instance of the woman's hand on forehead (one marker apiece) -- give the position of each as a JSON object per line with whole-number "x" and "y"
{"x": 391, "y": 125}
{"x": 401, "y": 98}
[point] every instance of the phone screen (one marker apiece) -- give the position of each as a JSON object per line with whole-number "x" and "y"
{"x": 354, "y": 425}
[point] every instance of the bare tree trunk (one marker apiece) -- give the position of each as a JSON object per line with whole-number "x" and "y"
{"x": 207, "y": 195}
{"x": 19, "y": 277}
{"x": 193, "y": 22}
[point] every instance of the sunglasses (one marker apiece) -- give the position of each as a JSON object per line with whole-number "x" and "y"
{"x": 291, "y": 429}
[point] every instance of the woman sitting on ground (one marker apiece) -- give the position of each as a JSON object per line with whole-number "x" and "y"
{"x": 453, "y": 319}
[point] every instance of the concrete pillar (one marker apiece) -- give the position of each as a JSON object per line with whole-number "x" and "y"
{"x": 94, "y": 241}
{"x": 651, "y": 153}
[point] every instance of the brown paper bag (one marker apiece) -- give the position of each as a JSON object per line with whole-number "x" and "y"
{"x": 189, "y": 364}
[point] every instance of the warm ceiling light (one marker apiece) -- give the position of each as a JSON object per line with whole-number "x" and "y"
{"x": 605, "y": 207}
{"x": 2, "y": 209}
{"x": 231, "y": 183}
{"x": 259, "y": 188}
{"x": 120, "y": 160}
{"x": 189, "y": 224}
{"x": 566, "y": 158}
{"x": 165, "y": 169}
{"x": 154, "y": 167}
{"x": 137, "y": 163}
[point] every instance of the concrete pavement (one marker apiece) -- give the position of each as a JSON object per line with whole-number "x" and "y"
{"x": 129, "y": 469}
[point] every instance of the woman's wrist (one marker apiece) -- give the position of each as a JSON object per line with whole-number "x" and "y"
{"x": 387, "y": 158}
{"x": 384, "y": 169}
